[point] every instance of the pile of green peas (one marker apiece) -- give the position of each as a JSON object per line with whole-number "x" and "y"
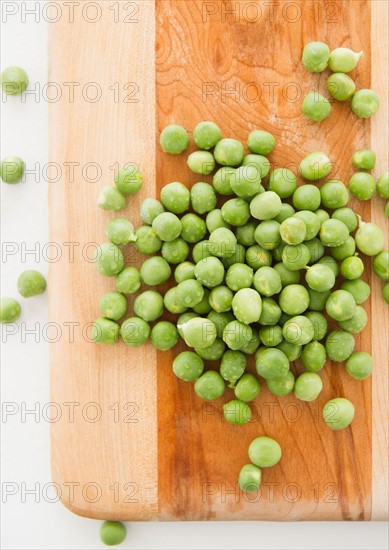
{"x": 256, "y": 261}
{"x": 316, "y": 58}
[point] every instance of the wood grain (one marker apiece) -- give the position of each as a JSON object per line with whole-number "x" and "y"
{"x": 180, "y": 460}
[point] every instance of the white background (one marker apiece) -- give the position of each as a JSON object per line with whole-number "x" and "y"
{"x": 25, "y": 372}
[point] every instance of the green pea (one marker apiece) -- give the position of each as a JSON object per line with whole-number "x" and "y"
{"x": 247, "y": 182}
{"x": 298, "y": 330}
{"x": 155, "y": 271}
{"x": 201, "y": 162}
{"x": 111, "y": 199}
{"x": 359, "y": 365}
{"x": 129, "y": 180}
{"x": 320, "y": 277}
{"x": 149, "y": 210}
{"x": 31, "y": 283}
{"x": 174, "y": 139}
{"x": 214, "y": 220}
{"x": 148, "y": 305}
{"x": 220, "y": 298}
{"x": 307, "y": 197}
{"x": 213, "y": 352}
{"x": 267, "y": 234}
{"x": 264, "y": 452}
{"x": 271, "y": 363}
{"x": 238, "y": 257}
{"x": 340, "y": 86}
{"x": 120, "y": 231}
{"x": 220, "y": 320}
{"x": 183, "y": 319}
{"x": 338, "y": 413}
{"x": 245, "y": 234}
{"x": 287, "y": 211}
{"x": 135, "y": 331}
{"x": 331, "y": 263}
{"x": 343, "y": 60}
{"x": 250, "y": 478}
{"x": 344, "y": 250}
{"x": 223, "y": 242}
{"x": 385, "y": 292}
{"x": 288, "y": 277}
{"x": 229, "y": 152}
{"x": 339, "y": 345}
{"x": 347, "y": 216}
{"x": 364, "y": 159}
{"x": 267, "y": 281}
{"x": 308, "y": 386}
{"x": 365, "y": 103}
{"x": 294, "y": 299}
{"x": 265, "y": 206}
{"x": 10, "y": 310}
{"x": 199, "y": 333}
{"x": 363, "y": 186}
{"x": 334, "y": 194}
{"x": 316, "y": 56}
{"x": 105, "y": 331}
{"x": 316, "y": 107}
{"x": 381, "y": 265}
{"x": 210, "y": 386}
{"x": 292, "y": 351}
{"x": 257, "y": 257}
{"x": 315, "y": 166}
{"x": 356, "y": 323}
{"x": 259, "y": 162}
{"x": 222, "y": 180}
{"x": 209, "y": 272}
{"x": 193, "y": 228}
{"x": 383, "y": 186}
{"x": 109, "y": 259}
{"x": 171, "y": 302}
{"x": 261, "y": 142}
{"x": 352, "y": 267}
{"x": 206, "y": 135}
{"x": 271, "y": 312}
{"x": 333, "y": 233}
{"x": 281, "y": 386}
{"x": 113, "y": 305}
{"x": 175, "y": 252}
{"x": 147, "y": 241}
{"x": 232, "y": 367}
{"x": 203, "y": 307}
{"x": 370, "y": 239}
{"x": 316, "y": 250}
{"x": 322, "y": 215}
{"x": 12, "y": 170}
{"x": 317, "y": 300}
{"x": 251, "y": 346}
{"x": 358, "y": 288}
{"x": 247, "y": 388}
{"x": 164, "y": 335}
{"x": 341, "y": 305}
{"x": 314, "y": 356}
{"x": 293, "y": 231}
{"x": 270, "y": 336}
{"x": 14, "y": 80}
{"x": 128, "y": 281}
{"x": 319, "y": 323}
{"x": 236, "y": 212}
{"x": 312, "y": 223}
{"x": 112, "y": 533}
{"x": 188, "y": 366}
{"x": 295, "y": 257}
{"x": 189, "y": 293}
{"x": 167, "y": 226}
{"x": 237, "y": 412}
{"x": 236, "y": 335}
{"x": 175, "y": 197}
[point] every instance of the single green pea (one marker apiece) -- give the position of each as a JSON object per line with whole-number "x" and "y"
{"x": 189, "y": 293}
{"x": 113, "y": 305}
{"x": 188, "y": 366}
{"x": 307, "y": 197}
{"x": 316, "y": 107}
{"x": 199, "y": 333}
{"x": 323, "y": 215}
{"x": 206, "y": 135}
{"x": 316, "y": 250}
{"x": 210, "y": 386}
{"x": 356, "y": 323}
{"x": 359, "y": 290}
{"x": 202, "y": 250}
{"x": 298, "y": 330}
{"x": 344, "y": 250}
{"x": 220, "y": 298}
{"x": 250, "y": 477}
{"x": 251, "y": 346}
{"x": 236, "y": 335}
{"x": 120, "y": 231}
{"x": 222, "y": 180}
{"x": 209, "y": 272}
{"x": 362, "y": 186}
{"x": 214, "y": 220}
{"x": 237, "y": 412}
{"x": 334, "y": 194}
{"x": 175, "y": 197}
{"x": 223, "y": 242}
{"x": 129, "y": 179}
{"x": 164, "y": 335}
{"x": 245, "y": 234}
{"x": 109, "y": 259}
{"x": 264, "y": 452}
{"x": 312, "y": 223}
{"x": 339, "y": 345}
{"x": 316, "y": 56}
{"x": 128, "y": 281}
{"x": 319, "y": 323}
{"x": 343, "y": 60}
{"x": 229, "y": 152}
{"x": 10, "y": 310}
{"x": 220, "y": 320}
{"x": 12, "y": 170}
{"x": 111, "y": 199}
{"x": 281, "y": 386}
{"x": 330, "y": 262}
{"x": 214, "y": 352}
{"x": 364, "y": 159}
{"x": 193, "y": 228}
{"x": 247, "y": 387}
{"x": 295, "y": 257}
{"x": 315, "y": 166}
{"x": 175, "y": 252}
{"x": 271, "y": 336}
{"x": 365, "y": 103}
{"x": 155, "y": 271}
{"x": 271, "y": 312}
{"x": 320, "y": 277}
{"x": 112, "y": 533}
{"x": 201, "y": 162}
{"x": 257, "y": 257}
{"x": 203, "y": 307}
{"x": 149, "y": 210}
{"x": 171, "y": 302}
{"x": 340, "y": 86}
{"x": 135, "y": 331}
{"x": 31, "y": 283}
{"x": 338, "y": 413}
{"x": 148, "y": 305}
{"x": 370, "y": 239}
{"x": 333, "y": 232}
{"x": 247, "y": 182}
{"x": 317, "y": 300}
{"x": 147, "y": 241}
{"x": 265, "y": 206}
{"x": 308, "y": 386}
{"x": 287, "y": 211}
{"x": 352, "y": 267}
{"x": 174, "y": 139}
{"x": 294, "y": 299}
{"x": 271, "y": 363}
{"x": 261, "y": 142}
{"x": 385, "y": 292}
{"x": 293, "y": 231}
{"x": 383, "y": 186}
{"x": 105, "y": 331}
{"x": 284, "y": 317}
{"x": 236, "y": 212}
{"x": 167, "y": 226}
{"x": 381, "y": 265}
{"x": 341, "y": 305}
{"x": 313, "y": 356}
{"x": 347, "y": 216}
{"x": 267, "y": 234}
{"x": 288, "y": 277}
{"x": 183, "y": 319}
{"x": 261, "y": 163}
{"x": 14, "y": 80}
{"x": 238, "y": 257}
{"x": 232, "y": 366}
{"x": 267, "y": 281}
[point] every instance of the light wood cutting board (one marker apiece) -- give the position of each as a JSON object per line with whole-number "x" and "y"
{"x": 134, "y": 442}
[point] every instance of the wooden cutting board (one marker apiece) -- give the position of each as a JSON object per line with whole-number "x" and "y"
{"x": 133, "y": 442}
